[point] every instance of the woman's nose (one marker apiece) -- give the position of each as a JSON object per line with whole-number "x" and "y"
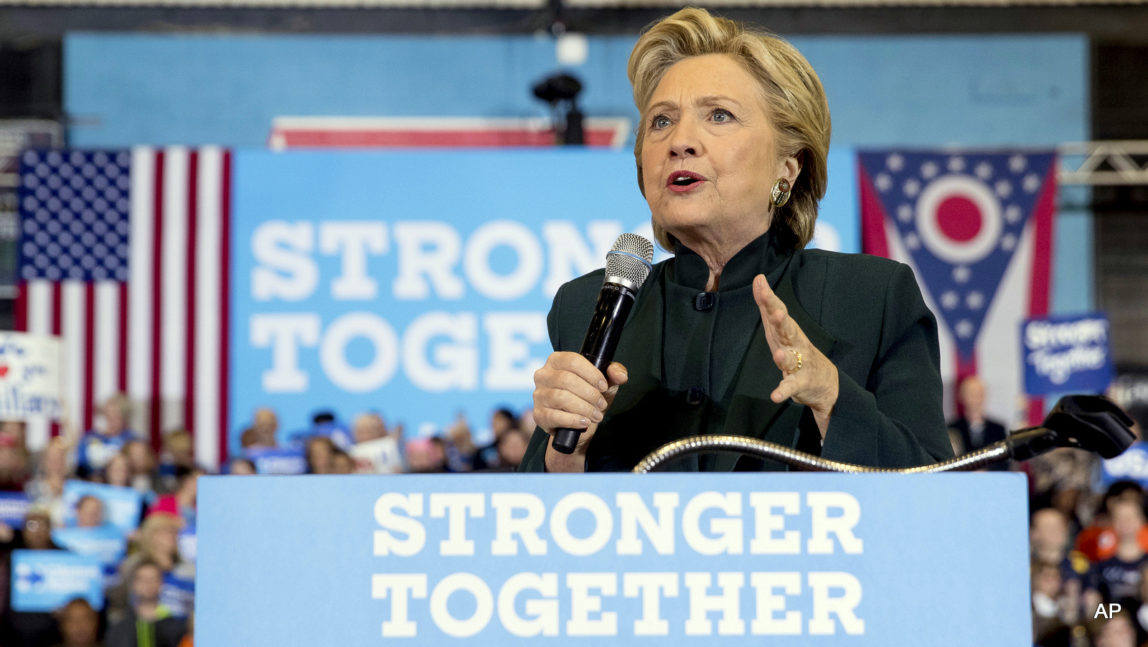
{"x": 685, "y": 141}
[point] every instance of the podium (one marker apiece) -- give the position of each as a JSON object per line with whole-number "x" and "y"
{"x": 665, "y": 559}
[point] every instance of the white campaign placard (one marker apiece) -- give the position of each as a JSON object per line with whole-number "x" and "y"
{"x": 30, "y": 376}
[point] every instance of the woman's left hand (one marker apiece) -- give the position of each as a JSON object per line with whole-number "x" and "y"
{"x": 810, "y": 378}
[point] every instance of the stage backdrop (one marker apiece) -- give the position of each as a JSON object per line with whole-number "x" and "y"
{"x": 417, "y": 284}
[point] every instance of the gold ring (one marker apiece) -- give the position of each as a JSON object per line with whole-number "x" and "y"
{"x": 797, "y": 356}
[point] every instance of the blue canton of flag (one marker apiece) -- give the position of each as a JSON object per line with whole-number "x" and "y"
{"x": 960, "y": 218}
{"x": 76, "y": 207}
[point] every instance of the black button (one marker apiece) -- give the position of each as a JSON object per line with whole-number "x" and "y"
{"x": 695, "y": 395}
{"x": 704, "y": 301}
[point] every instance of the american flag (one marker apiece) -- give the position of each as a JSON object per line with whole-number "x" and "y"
{"x": 977, "y": 229}
{"x": 124, "y": 255}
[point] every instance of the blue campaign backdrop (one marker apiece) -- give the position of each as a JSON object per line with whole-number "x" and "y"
{"x": 417, "y": 284}
{"x": 316, "y": 560}
{"x": 884, "y": 91}
{"x": 45, "y": 580}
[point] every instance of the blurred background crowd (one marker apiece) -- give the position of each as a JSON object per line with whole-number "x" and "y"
{"x": 149, "y": 588}
{"x": 1088, "y": 531}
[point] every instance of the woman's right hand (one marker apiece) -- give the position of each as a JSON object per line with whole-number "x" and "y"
{"x": 569, "y": 392}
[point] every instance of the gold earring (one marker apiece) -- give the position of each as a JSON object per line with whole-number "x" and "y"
{"x": 780, "y": 192}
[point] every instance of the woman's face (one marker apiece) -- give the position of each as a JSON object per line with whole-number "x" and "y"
{"x": 709, "y": 157}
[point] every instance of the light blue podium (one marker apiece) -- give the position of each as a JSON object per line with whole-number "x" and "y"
{"x": 659, "y": 559}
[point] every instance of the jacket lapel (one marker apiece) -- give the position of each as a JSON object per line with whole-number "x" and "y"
{"x": 751, "y": 412}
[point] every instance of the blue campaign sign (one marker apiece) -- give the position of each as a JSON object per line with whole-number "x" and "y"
{"x": 1067, "y": 354}
{"x": 1132, "y": 465}
{"x": 565, "y": 559}
{"x": 45, "y": 580}
{"x": 178, "y": 592}
{"x": 122, "y": 505}
{"x": 106, "y": 542}
{"x": 284, "y": 460}
{"x": 13, "y": 507}
{"x": 418, "y": 283}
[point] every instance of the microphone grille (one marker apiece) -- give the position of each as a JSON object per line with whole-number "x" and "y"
{"x": 629, "y": 261}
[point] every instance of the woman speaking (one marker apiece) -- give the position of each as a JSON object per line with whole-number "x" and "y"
{"x": 743, "y": 331}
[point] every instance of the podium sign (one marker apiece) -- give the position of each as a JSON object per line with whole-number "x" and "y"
{"x": 574, "y": 559}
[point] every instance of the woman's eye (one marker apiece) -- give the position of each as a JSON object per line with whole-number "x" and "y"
{"x": 659, "y": 122}
{"x": 722, "y": 116}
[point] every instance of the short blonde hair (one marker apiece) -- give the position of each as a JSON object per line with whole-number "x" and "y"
{"x": 790, "y": 88}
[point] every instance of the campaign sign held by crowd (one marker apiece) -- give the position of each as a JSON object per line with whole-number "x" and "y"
{"x": 29, "y": 376}
{"x": 13, "y": 507}
{"x": 1067, "y": 354}
{"x": 122, "y": 505}
{"x": 562, "y": 559}
{"x": 1132, "y": 465}
{"x": 45, "y": 580}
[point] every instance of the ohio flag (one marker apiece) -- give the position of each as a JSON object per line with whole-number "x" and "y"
{"x": 976, "y": 227}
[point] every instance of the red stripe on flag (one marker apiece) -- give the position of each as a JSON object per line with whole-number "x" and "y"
{"x": 22, "y": 307}
{"x": 873, "y": 216}
{"x": 224, "y": 308}
{"x": 1041, "y": 293}
{"x": 964, "y": 368}
{"x": 122, "y": 377}
{"x": 189, "y": 362}
{"x": 57, "y": 322}
{"x": 156, "y": 301}
{"x": 89, "y": 351}
{"x": 1038, "y": 298}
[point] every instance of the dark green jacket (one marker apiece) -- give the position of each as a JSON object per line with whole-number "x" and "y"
{"x": 864, "y": 313}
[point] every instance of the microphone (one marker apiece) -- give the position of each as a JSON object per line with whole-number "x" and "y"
{"x": 628, "y": 264}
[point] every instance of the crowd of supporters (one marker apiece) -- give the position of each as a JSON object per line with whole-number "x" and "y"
{"x": 1089, "y": 537}
{"x": 148, "y": 588}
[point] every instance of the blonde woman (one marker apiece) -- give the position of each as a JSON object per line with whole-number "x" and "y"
{"x": 743, "y": 331}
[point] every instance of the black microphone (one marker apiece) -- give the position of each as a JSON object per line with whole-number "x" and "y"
{"x": 628, "y": 264}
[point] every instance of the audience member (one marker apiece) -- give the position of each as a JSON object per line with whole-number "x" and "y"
{"x": 147, "y": 623}
{"x": 1097, "y": 542}
{"x": 426, "y": 455}
{"x": 320, "y": 453}
{"x": 142, "y": 465}
{"x": 501, "y": 421}
{"x": 240, "y": 467}
{"x": 265, "y": 423}
{"x": 1117, "y": 579}
{"x": 89, "y": 512}
{"x": 177, "y": 459}
{"x": 79, "y": 624}
{"x": 1050, "y": 541}
{"x": 157, "y": 541}
{"x": 976, "y": 431}
{"x": 182, "y": 502}
{"x": 376, "y": 451}
{"x": 118, "y": 471}
{"x": 13, "y": 463}
{"x": 98, "y": 446}
{"x": 460, "y": 448}
{"x": 511, "y": 448}
{"x": 27, "y": 628}
{"x": 324, "y": 423}
{"x": 341, "y": 463}
{"x": 46, "y": 490}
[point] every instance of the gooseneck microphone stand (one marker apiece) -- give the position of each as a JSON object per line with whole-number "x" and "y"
{"x": 1088, "y": 422}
